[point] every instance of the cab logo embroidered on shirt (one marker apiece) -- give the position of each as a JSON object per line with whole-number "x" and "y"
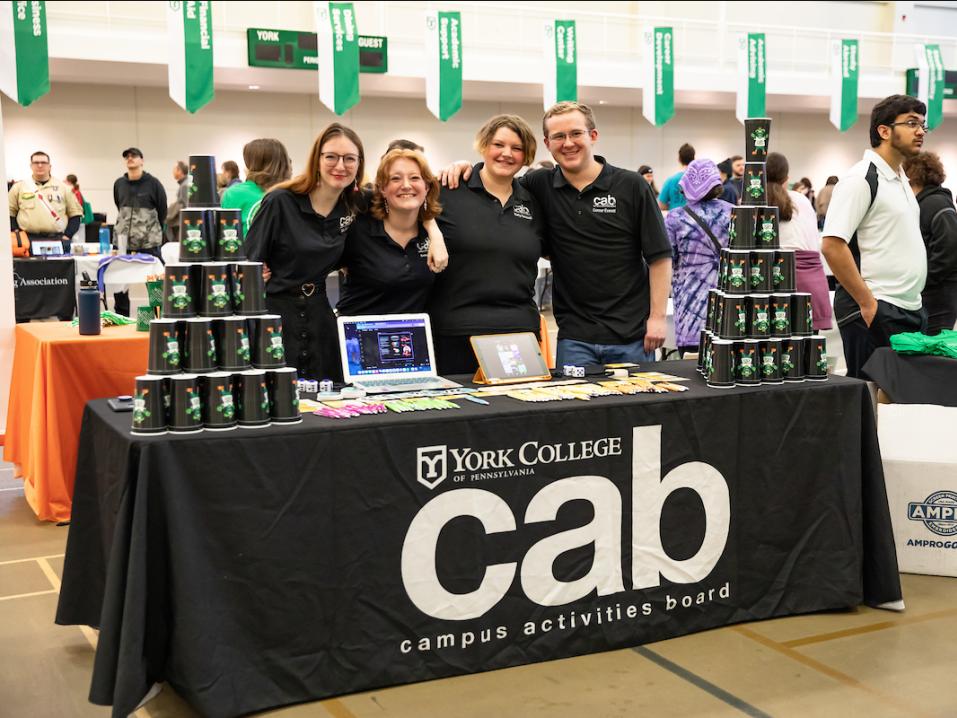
{"x": 522, "y": 212}
{"x": 604, "y": 205}
{"x": 345, "y": 223}
{"x": 423, "y": 247}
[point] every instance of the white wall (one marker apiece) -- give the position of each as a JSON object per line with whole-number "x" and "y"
{"x": 7, "y": 317}
{"x": 84, "y": 128}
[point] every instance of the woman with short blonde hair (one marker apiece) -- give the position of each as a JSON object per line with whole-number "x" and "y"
{"x": 495, "y": 233}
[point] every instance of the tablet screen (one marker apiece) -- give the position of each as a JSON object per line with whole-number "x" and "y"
{"x": 507, "y": 357}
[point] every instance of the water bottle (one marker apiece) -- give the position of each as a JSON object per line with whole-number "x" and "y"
{"x": 88, "y": 304}
{"x": 104, "y": 240}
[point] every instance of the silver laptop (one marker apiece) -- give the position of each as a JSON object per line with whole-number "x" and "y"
{"x": 389, "y": 353}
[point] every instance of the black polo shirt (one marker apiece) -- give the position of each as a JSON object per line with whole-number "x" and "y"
{"x": 489, "y": 285}
{"x": 299, "y": 245}
{"x": 601, "y": 241}
{"x": 383, "y": 277}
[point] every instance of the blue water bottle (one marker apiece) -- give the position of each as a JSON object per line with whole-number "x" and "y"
{"x": 88, "y": 305}
{"x": 104, "y": 241}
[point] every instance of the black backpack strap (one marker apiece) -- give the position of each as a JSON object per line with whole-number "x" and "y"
{"x": 707, "y": 230}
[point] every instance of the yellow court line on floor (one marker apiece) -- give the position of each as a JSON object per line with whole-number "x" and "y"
{"x": 27, "y": 595}
{"x": 336, "y": 709}
{"x": 907, "y": 708}
{"x": 32, "y": 558}
{"x": 902, "y": 621}
{"x": 49, "y": 573}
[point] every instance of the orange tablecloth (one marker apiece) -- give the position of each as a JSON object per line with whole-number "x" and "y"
{"x": 55, "y": 372}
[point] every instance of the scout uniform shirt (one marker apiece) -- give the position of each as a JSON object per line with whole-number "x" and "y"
{"x": 43, "y": 207}
{"x": 600, "y": 241}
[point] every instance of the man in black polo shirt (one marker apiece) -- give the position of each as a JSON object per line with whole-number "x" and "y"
{"x": 607, "y": 243}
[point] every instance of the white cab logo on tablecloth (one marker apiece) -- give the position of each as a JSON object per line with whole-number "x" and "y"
{"x": 650, "y": 562}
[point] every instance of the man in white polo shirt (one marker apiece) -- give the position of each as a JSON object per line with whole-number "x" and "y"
{"x": 872, "y": 239}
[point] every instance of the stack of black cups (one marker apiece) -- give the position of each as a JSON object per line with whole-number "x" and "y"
{"x": 216, "y": 358}
{"x": 759, "y": 328}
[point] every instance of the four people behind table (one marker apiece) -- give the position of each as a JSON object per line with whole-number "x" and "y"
{"x": 390, "y": 247}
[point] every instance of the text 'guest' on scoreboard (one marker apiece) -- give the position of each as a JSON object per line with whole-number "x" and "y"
{"x": 295, "y": 50}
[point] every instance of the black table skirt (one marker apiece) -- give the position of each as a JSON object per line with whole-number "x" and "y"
{"x": 914, "y": 379}
{"x": 254, "y": 569}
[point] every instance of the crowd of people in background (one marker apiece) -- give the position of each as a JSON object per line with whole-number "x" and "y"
{"x": 617, "y": 245}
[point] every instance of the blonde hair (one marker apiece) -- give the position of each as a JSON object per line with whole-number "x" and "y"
{"x": 563, "y": 108}
{"x": 483, "y": 138}
{"x": 430, "y": 209}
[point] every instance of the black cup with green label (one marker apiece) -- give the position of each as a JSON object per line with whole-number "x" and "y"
{"x": 746, "y": 362}
{"x": 757, "y": 139}
{"x": 185, "y": 404}
{"x": 720, "y": 373}
{"x": 219, "y": 406}
{"x": 784, "y": 274}
{"x": 194, "y": 244}
{"x": 815, "y": 360}
{"x": 166, "y": 348}
{"x": 793, "y": 359}
{"x": 741, "y": 228}
{"x": 283, "y": 395}
{"x": 780, "y": 315}
{"x": 754, "y": 188}
{"x": 769, "y": 356}
{"x": 252, "y": 398}
{"x": 228, "y": 235}
{"x": 149, "y": 406}
{"x": 767, "y": 228}
{"x": 178, "y": 297}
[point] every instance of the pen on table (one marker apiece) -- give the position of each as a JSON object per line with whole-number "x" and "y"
{"x": 474, "y": 399}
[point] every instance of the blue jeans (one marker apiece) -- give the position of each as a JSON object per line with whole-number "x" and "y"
{"x": 570, "y": 351}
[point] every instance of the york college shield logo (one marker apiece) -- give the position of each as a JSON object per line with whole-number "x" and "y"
{"x": 432, "y": 465}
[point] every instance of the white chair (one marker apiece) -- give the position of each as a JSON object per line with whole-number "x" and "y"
{"x": 122, "y": 272}
{"x": 170, "y": 252}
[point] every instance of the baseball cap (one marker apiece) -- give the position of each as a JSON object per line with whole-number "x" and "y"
{"x": 644, "y": 169}
{"x": 132, "y": 151}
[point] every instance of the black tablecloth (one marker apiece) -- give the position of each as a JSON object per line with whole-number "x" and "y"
{"x": 44, "y": 288}
{"x": 259, "y": 568}
{"x": 914, "y": 379}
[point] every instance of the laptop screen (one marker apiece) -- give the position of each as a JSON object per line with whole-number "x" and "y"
{"x": 386, "y": 346}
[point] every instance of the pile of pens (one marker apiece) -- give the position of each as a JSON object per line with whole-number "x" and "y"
{"x": 348, "y": 409}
